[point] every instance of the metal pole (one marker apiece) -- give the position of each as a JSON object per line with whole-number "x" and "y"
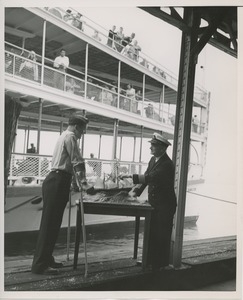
{"x": 99, "y": 146}
{"x": 15, "y": 138}
{"x": 61, "y": 127}
{"x": 69, "y": 225}
{"x": 43, "y": 52}
{"x": 134, "y": 148}
{"x": 140, "y": 152}
{"x": 28, "y": 137}
{"x": 115, "y": 133}
{"x": 163, "y": 101}
{"x": 183, "y": 128}
{"x": 143, "y": 94}
{"x": 23, "y": 42}
{"x": 82, "y": 141}
{"x": 25, "y": 141}
{"x": 39, "y": 125}
{"x": 118, "y": 84}
{"x": 120, "y": 149}
{"x": 86, "y": 70}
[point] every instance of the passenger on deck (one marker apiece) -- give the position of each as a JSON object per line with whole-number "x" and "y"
{"x": 144, "y": 63}
{"x": 114, "y": 96}
{"x": 96, "y": 36}
{"x": 93, "y": 90}
{"x": 130, "y": 104}
{"x": 195, "y": 123}
{"x": 61, "y": 63}
{"x": 128, "y": 40}
{"x": 29, "y": 68}
{"x": 77, "y": 21}
{"x": 118, "y": 39}
{"x": 133, "y": 51}
{"x": 106, "y": 95}
{"x": 111, "y": 37}
{"x": 72, "y": 87}
{"x": 149, "y": 111}
{"x": 31, "y": 149}
{"x": 68, "y": 16}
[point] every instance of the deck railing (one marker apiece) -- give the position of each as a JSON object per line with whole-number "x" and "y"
{"x": 23, "y": 68}
{"x": 32, "y": 169}
{"x": 101, "y": 34}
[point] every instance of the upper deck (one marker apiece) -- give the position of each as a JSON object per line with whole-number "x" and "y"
{"x": 97, "y": 72}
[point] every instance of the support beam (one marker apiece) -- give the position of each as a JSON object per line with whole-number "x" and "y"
{"x": 183, "y": 128}
{"x": 86, "y": 70}
{"x": 115, "y": 134}
{"x": 39, "y": 125}
{"x": 119, "y": 84}
{"x": 208, "y": 33}
{"x": 141, "y": 148}
{"x": 28, "y": 137}
{"x": 99, "y": 146}
{"x": 43, "y": 52}
{"x": 120, "y": 154}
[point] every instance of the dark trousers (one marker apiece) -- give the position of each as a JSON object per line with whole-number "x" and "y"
{"x": 160, "y": 237}
{"x": 55, "y": 192}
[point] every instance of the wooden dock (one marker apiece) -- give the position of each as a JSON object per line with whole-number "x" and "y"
{"x": 112, "y": 268}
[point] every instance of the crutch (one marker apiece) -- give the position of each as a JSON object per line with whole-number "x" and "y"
{"x": 79, "y": 223}
{"x": 69, "y": 225}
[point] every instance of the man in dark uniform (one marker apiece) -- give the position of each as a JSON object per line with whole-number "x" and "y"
{"x": 55, "y": 192}
{"x": 159, "y": 177}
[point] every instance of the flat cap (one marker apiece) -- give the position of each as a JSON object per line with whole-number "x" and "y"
{"x": 78, "y": 120}
{"x": 159, "y": 140}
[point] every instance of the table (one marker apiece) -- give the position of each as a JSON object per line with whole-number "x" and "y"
{"x": 136, "y": 210}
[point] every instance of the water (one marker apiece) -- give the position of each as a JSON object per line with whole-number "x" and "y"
{"x": 216, "y": 218}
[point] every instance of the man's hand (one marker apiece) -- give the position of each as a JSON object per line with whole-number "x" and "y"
{"x": 132, "y": 194}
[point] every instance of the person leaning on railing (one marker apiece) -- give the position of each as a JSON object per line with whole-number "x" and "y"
{"x": 111, "y": 37}
{"x": 118, "y": 39}
{"x": 28, "y": 68}
{"x": 61, "y": 63}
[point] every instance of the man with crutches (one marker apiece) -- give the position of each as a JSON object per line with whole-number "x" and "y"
{"x": 55, "y": 192}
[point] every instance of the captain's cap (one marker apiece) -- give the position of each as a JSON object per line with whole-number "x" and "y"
{"x": 78, "y": 120}
{"x": 159, "y": 140}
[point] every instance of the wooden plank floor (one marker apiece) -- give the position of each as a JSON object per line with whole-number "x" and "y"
{"x": 109, "y": 260}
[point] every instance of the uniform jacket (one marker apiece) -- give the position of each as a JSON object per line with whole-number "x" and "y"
{"x": 159, "y": 177}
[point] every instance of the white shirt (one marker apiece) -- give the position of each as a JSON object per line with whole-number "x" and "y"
{"x": 61, "y": 60}
{"x": 66, "y": 153}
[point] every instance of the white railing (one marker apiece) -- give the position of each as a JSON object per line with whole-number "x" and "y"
{"x": 33, "y": 168}
{"x": 100, "y": 34}
{"x": 95, "y": 89}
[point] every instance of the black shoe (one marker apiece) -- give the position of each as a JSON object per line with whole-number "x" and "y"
{"x": 56, "y": 265}
{"x": 50, "y": 271}
{"x": 47, "y": 271}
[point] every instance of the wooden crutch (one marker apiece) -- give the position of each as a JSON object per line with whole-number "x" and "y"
{"x": 80, "y": 223}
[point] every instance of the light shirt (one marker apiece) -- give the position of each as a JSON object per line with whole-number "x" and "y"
{"x": 61, "y": 60}
{"x": 66, "y": 153}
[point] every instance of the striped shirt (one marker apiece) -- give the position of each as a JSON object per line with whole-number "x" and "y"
{"x": 66, "y": 153}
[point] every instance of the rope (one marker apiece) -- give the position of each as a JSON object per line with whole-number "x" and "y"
{"x": 213, "y": 198}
